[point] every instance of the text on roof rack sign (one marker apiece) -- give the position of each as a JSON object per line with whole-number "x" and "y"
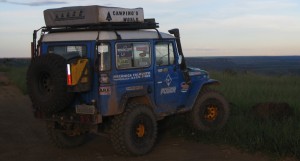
{"x": 87, "y": 15}
{"x": 121, "y": 15}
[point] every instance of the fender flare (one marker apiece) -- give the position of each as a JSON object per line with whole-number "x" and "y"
{"x": 210, "y": 82}
{"x": 120, "y": 108}
{"x": 191, "y": 101}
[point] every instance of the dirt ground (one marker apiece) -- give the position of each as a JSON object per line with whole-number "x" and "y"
{"x": 24, "y": 138}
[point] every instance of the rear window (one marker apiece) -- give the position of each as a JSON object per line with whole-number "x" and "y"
{"x": 68, "y": 52}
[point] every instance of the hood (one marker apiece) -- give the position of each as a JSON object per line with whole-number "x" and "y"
{"x": 197, "y": 71}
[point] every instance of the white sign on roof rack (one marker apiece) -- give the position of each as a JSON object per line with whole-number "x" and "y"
{"x": 86, "y": 15}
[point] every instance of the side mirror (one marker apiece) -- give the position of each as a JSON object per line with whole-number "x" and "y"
{"x": 180, "y": 59}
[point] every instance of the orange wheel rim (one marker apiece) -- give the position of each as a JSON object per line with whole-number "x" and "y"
{"x": 140, "y": 130}
{"x": 212, "y": 113}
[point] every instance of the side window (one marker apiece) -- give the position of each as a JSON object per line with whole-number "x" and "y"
{"x": 105, "y": 57}
{"x": 133, "y": 55}
{"x": 68, "y": 52}
{"x": 164, "y": 54}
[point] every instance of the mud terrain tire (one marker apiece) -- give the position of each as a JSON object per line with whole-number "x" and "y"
{"x": 47, "y": 83}
{"x": 210, "y": 112}
{"x": 63, "y": 140}
{"x": 134, "y": 131}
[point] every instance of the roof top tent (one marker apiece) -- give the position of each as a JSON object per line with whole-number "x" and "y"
{"x": 95, "y": 18}
{"x": 83, "y": 15}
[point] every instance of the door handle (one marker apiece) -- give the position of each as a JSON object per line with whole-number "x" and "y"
{"x": 160, "y": 82}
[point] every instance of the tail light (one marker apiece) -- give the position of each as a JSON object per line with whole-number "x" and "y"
{"x": 69, "y": 77}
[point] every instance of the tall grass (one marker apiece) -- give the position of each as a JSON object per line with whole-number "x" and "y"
{"x": 243, "y": 91}
{"x": 248, "y": 89}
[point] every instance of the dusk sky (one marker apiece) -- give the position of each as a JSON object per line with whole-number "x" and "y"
{"x": 208, "y": 27}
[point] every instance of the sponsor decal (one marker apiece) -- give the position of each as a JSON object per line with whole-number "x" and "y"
{"x": 168, "y": 90}
{"x": 69, "y": 15}
{"x": 184, "y": 87}
{"x": 108, "y": 17}
{"x": 168, "y": 80}
{"x": 123, "y": 15}
{"x": 134, "y": 88}
{"x": 125, "y": 50}
{"x": 105, "y": 90}
{"x": 133, "y": 76}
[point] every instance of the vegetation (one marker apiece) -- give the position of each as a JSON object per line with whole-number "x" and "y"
{"x": 3, "y": 68}
{"x": 17, "y": 75}
{"x": 243, "y": 91}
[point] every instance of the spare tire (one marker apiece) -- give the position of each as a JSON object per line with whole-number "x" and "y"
{"x": 47, "y": 83}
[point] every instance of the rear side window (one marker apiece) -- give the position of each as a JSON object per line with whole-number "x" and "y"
{"x": 133, "y": 55}
{"x": 68, "y": 52}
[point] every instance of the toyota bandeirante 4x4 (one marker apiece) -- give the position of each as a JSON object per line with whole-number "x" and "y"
{"x": 98, "y": 68}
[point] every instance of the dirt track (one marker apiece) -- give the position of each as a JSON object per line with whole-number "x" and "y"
{"x": 24, "y": 138}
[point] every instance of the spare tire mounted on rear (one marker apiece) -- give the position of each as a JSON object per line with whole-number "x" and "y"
{"x": 47, "y": 83}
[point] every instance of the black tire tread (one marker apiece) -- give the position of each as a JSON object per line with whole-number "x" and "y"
{"x": 55, "y": 65}
{"x": 193, "y": 114}
{"x": 117, "y": 128}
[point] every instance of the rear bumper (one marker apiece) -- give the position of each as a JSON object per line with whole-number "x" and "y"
{"x": 91, "y": 119}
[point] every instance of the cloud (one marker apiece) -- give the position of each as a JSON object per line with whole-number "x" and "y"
{"x": 35, "y": 3}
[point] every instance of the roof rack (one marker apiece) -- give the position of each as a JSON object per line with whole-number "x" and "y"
{"x": 108, "y": 26}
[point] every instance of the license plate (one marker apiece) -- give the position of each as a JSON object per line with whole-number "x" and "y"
{"x": 85, "y": 109}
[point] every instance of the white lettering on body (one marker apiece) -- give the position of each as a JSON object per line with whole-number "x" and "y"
{"x": 168, "y": 90}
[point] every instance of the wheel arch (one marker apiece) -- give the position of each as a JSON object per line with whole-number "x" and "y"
{"x": 138, "y": 97}
{"x": 197, "y": 88}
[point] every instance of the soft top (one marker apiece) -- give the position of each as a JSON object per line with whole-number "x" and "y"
{"x": 91, "y": 15}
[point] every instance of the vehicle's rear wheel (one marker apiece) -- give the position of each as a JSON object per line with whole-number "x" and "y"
{"x": 210, "y": 112}
{"x": 134, "y": 131}
{"x": 62, "y": 137}
{"x": 47, "y": 83}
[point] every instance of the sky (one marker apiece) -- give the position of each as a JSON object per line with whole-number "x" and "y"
{"x": 208, "y": 27}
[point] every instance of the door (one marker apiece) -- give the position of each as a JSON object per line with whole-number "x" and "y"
{"x": 166, "y": 77}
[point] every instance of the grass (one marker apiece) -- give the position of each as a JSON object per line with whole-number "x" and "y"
{"x": 279, "y": 138}
{"x": 3, "y": 68}
{"x": 17, "y": 75}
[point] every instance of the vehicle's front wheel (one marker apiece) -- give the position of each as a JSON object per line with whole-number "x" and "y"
{"x": 134, "y": 131}
{"x": 63, "y": 138}
{"x": 210, "y": 112}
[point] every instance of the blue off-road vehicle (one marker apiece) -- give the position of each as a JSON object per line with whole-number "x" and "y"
{"x": 97, "y": 69}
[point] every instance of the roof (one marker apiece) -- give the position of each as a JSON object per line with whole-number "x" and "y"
{"x": 103, "y": 35}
